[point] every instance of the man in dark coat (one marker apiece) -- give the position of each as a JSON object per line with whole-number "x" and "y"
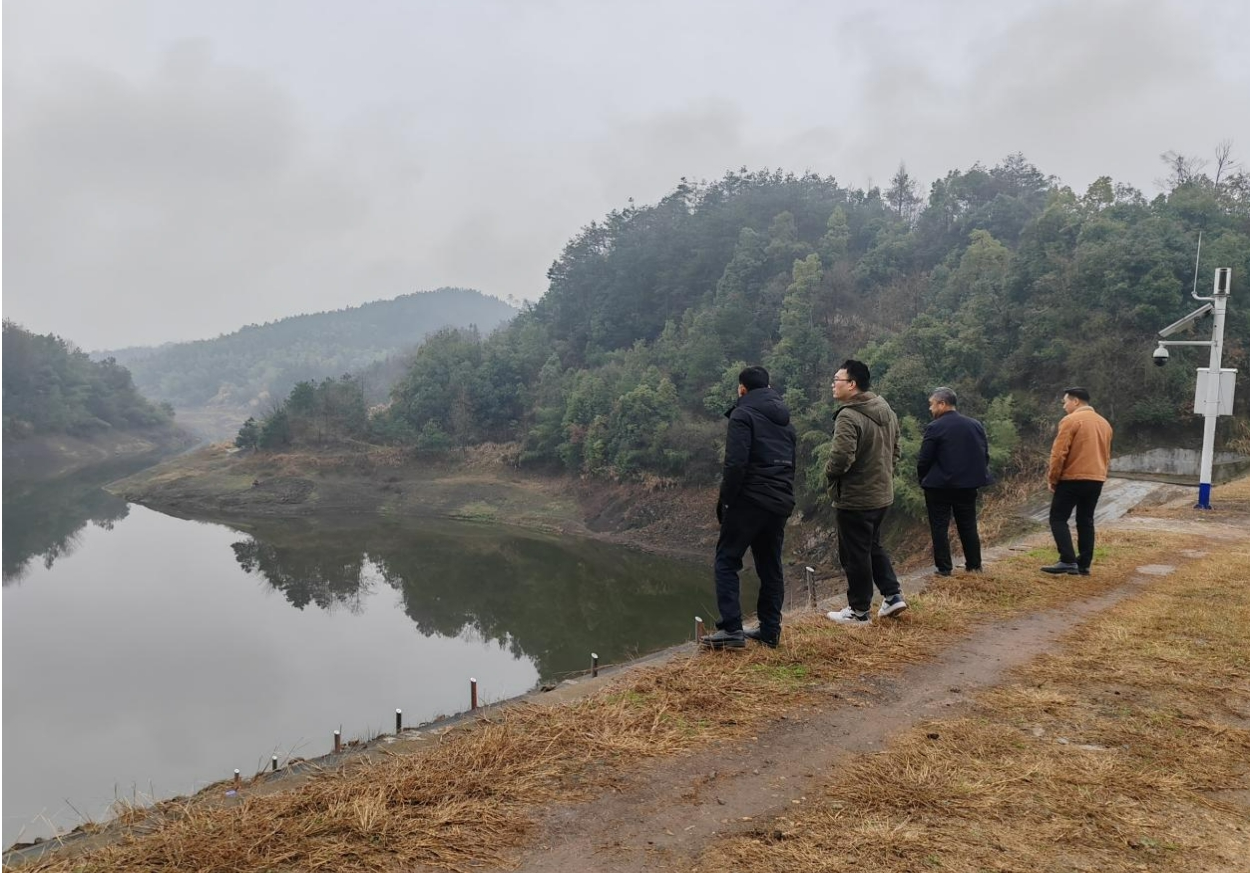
{"x": 954, "y": 462}
{"x": 756, "y": 498}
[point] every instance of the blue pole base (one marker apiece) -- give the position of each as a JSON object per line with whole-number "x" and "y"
{"x": 1204, "y": 496}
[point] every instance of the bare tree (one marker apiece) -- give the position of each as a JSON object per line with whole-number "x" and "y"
{"x": 1224, "y": 160}
{"x": 1182, "y": 169}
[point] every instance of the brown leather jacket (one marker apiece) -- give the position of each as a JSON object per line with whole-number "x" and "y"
{"x": 1082, "y": 448}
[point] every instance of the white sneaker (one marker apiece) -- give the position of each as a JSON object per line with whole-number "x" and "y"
{"x": 892, "y": 607}
{"x": 849, "y": 616}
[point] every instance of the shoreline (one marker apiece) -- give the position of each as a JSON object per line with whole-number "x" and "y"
{"x": 220, "y": 484}
{"x": 55, "y": 456}
{"x": 415, "y": 737}
{"x": 418, "y": 739}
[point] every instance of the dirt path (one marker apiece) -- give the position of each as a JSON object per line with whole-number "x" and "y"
{"x": 671, "y": 811}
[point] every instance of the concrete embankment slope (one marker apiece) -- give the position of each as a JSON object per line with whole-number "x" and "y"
{"x": 1121, "y": 496}
{"x": 842, "y": 749}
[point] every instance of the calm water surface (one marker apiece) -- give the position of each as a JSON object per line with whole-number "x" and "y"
{"x": 148, "y": 656}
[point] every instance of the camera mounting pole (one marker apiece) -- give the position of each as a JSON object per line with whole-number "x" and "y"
{"x": 1213, "y": 395}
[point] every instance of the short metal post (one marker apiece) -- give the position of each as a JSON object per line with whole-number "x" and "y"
{"x": 399, "y": 720}
{"x": 698, "y": 628}
{"x": 273, "y": 763}
{"x": 594, "y": 665}
{"x": 237, "y": 779}
{"x": 472, "y": 693}
{"x": 810, "y": 578}
{"x": 338, "y": 742}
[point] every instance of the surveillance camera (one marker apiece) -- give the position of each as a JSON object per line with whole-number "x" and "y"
{"x": 1161, "y": 356}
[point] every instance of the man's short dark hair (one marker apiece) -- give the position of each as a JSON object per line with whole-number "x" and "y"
{"x": 1079, "y": 393}
{"x": 857, "y": 372}
{"x": 944, "y": 395}
{"x": 753, "y": 377}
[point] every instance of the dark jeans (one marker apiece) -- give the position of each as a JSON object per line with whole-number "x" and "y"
{"x": 941, "y": 503}
{"x": 863, "y": 557}
{"x": 1081, "y": 494}
{"x": 747, "y": 526}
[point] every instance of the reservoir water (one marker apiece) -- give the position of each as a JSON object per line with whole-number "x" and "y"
{"x": 147, "y": 656}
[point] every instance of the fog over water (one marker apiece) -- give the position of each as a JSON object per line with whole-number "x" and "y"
{"x": 176, "y": 169}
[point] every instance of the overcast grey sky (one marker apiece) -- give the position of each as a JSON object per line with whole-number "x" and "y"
{"x": 174, "y": 169}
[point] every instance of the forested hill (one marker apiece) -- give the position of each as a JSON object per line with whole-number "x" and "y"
{"x": 265, "y": 360}
{"x": 53, "y": 387}
{"x": 1002, "y": 283}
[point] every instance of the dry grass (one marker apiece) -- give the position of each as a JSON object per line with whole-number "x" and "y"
{"x": 1125, "y": 751}
{"x": 1235, "y": 493}
{"x": 1238, "y": 440}
{"x": 1229, "y": 503}
{"x": 471, "y": 799}
{"x": 999, "y": 516}
{"x": 348, "y": 456}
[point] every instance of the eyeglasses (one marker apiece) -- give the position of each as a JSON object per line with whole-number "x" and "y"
{"x": 844, "y": 380}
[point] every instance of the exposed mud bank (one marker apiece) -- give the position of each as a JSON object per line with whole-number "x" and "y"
{"x": 57, "y": 455}
{"x": 218, "y": 483}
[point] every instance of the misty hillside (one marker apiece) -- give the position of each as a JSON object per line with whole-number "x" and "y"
{"x": 1002, "y": 283}
{"x": 53, "y": 387}
{"x": 266, "y": 360}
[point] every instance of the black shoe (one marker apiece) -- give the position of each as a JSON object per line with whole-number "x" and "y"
{"x": 724, "y": 639}
{"x": 940, "y": 572}
{"x": 756, "y": 634}
{"x": 1060, "y": 568}
{"x": 1084, "y": 571}
{"x": 974, "y": 569}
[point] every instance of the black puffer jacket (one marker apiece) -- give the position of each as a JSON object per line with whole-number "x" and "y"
{"x": 759, "y": 453}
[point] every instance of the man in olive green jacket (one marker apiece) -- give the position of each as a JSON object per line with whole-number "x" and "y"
{"x": 860, "y": 472}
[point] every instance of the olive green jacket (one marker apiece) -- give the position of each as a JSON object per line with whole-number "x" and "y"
{"x": 860, "y": 470}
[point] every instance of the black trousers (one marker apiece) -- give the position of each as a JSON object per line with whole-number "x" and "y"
{"x": 1081, "y": 495}
{"x": 941, "y": 503}
{"x": 863, "y": 557}
{"x": 746, "y": 526}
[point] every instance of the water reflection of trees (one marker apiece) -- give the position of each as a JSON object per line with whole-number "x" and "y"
{"x": 44, "y": 520}
{"x": 554, "y": 600}
{"x": 328, "y": 575}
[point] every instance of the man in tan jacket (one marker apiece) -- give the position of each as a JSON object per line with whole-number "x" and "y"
{"x": 1079, "y": 460}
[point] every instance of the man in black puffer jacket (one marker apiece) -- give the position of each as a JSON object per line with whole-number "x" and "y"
{"x": 756, "y": 498}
